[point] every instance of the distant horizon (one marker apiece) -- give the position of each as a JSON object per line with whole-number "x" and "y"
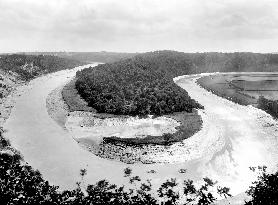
{"x": 22, "y": 52}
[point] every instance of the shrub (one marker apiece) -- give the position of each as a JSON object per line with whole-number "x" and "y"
{"x": 265, "y": 189}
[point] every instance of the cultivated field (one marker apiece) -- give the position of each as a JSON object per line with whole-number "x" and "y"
{"x": 244, "y": 89}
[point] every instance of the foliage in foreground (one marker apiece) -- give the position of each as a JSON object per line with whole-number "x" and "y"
{"x": 20, "y": 184}
{"x": 264, "y": 191}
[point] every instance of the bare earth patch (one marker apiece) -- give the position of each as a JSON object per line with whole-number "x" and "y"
{"x": 89, "y": 125}
{"x": 123, "y": 138}
{"x": 56, "y": 107}
{"x": 188, "y": 149}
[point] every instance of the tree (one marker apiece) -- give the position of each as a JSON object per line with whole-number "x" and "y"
{"x": 20, "y": 184}
{"x": 265, "y": 189}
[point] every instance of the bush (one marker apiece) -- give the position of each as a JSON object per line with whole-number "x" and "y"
{"x": 270, "y": 106}
{"x": 20, "y": 184}
{"x": 265, "y": 189}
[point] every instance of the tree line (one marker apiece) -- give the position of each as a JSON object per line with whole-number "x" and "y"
{"x": 27, "y": 67}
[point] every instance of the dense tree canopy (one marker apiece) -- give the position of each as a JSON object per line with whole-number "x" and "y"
{"x": 138, "y": 86}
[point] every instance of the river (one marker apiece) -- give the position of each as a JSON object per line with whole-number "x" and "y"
{"x": 232, "y": 139}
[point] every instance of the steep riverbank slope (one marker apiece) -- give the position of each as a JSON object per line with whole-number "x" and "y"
{"x": 15, "y": 72}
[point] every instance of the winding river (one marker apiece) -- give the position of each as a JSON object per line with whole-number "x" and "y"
{"x": 232, "y": 139}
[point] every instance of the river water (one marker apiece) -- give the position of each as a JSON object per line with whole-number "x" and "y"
{"x": 232, "y": 139}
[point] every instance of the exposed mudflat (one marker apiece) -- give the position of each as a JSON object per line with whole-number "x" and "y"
{"x": 56, "y": 107}
{"x": 232, "y": 139}
{"x": 93, "y": 127}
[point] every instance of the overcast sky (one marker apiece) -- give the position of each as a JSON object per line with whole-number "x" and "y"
{"x": 139, "y": 25}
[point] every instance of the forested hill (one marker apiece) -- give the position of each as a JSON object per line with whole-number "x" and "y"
{"x": 26, "y": 67}
{"x": 138, "y": 86}
{"x": 103, "y": 57}
{"x": 143, "y": 84}
{"x": 232, "y": 62}
{"x": 200, "y": 62}
{"x": 179, "y": 63}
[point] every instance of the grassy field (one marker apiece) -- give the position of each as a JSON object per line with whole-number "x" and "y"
{"x": 221, "y": 86}
{"x": 73, "y": 99}
{"x": 243, "y": 89}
